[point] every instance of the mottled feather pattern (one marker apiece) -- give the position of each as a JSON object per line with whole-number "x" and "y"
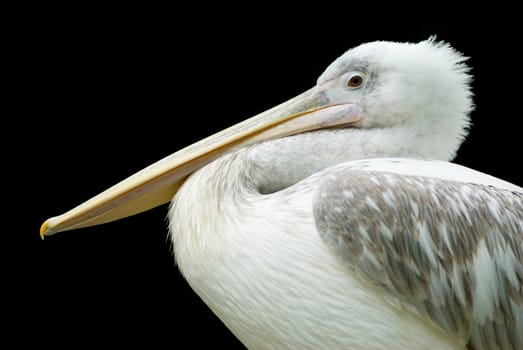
{"x": 448, "y": 250}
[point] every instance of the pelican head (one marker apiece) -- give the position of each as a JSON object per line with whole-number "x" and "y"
{"x": 379, "y": 99}
{"x": 422, "y": 87}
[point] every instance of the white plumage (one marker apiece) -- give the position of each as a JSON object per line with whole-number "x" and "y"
{"x": 260, "y": 264}
{"x": 297, "y": 240}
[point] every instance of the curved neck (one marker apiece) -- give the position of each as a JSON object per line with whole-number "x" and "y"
{"x": 280, "y": 163}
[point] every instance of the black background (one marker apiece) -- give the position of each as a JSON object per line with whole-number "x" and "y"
{"x": 99, "y": 93}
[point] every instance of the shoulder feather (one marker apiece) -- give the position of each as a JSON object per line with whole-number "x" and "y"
{"x": 450, "y": 250}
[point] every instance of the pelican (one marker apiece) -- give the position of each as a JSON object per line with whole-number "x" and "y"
{"x": 335, "y": 220}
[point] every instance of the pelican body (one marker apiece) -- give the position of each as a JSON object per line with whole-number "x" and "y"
{"x": 302, "y": 229}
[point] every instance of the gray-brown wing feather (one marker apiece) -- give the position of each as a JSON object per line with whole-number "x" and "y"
{"x": 451, "y": 251}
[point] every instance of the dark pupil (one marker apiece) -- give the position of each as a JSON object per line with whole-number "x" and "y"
{"x": 355, "y": 81}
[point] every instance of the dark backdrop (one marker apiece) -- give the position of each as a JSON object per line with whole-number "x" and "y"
{"x": 101, "y": 92}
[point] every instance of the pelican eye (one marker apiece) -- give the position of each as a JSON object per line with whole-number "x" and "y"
{"x": 354, "y": 80}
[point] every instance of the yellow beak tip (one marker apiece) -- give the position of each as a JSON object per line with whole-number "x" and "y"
{"x": 43, "y": 229}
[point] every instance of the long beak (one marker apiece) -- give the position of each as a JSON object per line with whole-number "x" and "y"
{"x": 157, "y": 184}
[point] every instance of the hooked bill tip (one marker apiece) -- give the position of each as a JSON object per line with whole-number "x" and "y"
{"x": 43, "y": 229}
